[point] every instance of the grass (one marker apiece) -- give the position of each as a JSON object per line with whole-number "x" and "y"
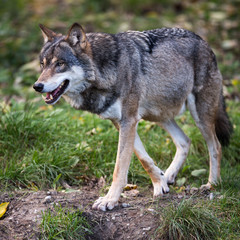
{"x": 64, "y": 223}
{"x": 228, "y": 209}
{"x": 41, "y": 144}
{"x": 38, "y": 144}
{"x": 196, "y": 218}
{"x": 187, "y": 220}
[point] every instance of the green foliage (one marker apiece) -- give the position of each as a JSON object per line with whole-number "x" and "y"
{"x": 38, "y": 144}
{"x": 188, "y": 221}
{"x": 62, "y": 223}
{"x": 229, "y": 209}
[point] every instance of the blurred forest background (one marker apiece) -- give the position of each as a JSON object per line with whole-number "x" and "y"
{"x": 218, "y": 22}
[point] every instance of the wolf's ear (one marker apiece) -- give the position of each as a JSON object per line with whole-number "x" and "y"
{"x": 48, "y": 34}
{"x": 76, "y": 35}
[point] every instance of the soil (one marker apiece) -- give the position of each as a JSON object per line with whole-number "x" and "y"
{"x": 134, "y": 218}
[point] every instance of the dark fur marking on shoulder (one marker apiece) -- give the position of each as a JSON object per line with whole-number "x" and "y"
{"x": 92, "y": 100}
{"x": 104, "y": 59}
{"x": 162, "y": 34}
{"x": 152, "y": 40}
{"x": 117, "y": 53}
{"x": 141, "y": 51}
{"x": 195, "y": 59}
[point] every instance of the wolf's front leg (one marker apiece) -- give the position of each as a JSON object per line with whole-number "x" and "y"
{"x": 125, "y": 149}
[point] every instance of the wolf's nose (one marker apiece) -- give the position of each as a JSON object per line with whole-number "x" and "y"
{"x": 38, "y": 87}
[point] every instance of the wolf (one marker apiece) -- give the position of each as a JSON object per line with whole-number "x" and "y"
{"x": 125, "y": 77}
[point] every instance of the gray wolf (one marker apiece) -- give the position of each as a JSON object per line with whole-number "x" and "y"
{"x": 125, "y": 77}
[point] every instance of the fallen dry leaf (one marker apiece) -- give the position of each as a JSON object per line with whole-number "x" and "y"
{"x": 129, "y": 187}
{"x": 3, "y": 208}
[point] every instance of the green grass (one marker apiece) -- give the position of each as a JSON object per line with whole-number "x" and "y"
{"x": 40, "y": 144}
{"x": 64, "y": 223}
{"x": 227, "y": 207}
{"x": 187, "y": 220}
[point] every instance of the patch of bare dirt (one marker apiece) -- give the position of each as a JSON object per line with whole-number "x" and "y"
{"x": 134, "y": 218}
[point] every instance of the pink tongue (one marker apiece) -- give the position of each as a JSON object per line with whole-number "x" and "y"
{"x": 53, "y": 93}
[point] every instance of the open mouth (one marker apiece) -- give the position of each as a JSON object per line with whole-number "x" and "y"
{"x": 52, "y": 97}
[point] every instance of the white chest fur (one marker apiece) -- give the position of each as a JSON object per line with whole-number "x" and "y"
{"x": 114, "y": 112}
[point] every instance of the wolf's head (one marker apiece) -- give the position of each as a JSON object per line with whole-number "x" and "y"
{"x": 66, "y": 65}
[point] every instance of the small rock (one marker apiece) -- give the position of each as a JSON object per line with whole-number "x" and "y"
{"x": 211, "y": 196}
{"x": 193, "y": 190}
{"x": 47, "y": 199}
{"x": 53, "y": 192}
{"x": 113, "y": 218}
{"x": 131, "y": 193}
{"x": 48, "y": 193}
{"x": 151, "y": 210}
{"x": 179, "y": 196}
{"x": 146, "y": 229}
{"x": 125, "y": 205}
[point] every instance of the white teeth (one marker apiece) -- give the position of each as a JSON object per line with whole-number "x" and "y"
{"x": 44, "y": 98}
{"x": 51, "y": 97}
{"x": 61, "y": 84}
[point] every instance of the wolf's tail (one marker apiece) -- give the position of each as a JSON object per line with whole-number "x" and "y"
{"x": 223, "y": 126}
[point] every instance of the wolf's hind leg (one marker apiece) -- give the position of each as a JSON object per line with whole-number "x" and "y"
{"x": 156, "y": 175}
{"x": 205, "y": 123}
{"x": 182, "y": 143}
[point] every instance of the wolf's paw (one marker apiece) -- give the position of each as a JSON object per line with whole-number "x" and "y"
{"x": 160, "y": 188}
{"x": 170, "y": 178}
{"x": 105, "y": 203}
{"x": 205, "y": 187}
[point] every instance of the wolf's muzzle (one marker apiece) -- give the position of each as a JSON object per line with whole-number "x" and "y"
{"x": 38, "y": 87}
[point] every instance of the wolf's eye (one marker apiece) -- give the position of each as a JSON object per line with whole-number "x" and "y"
{"x": 59, "y": 64}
